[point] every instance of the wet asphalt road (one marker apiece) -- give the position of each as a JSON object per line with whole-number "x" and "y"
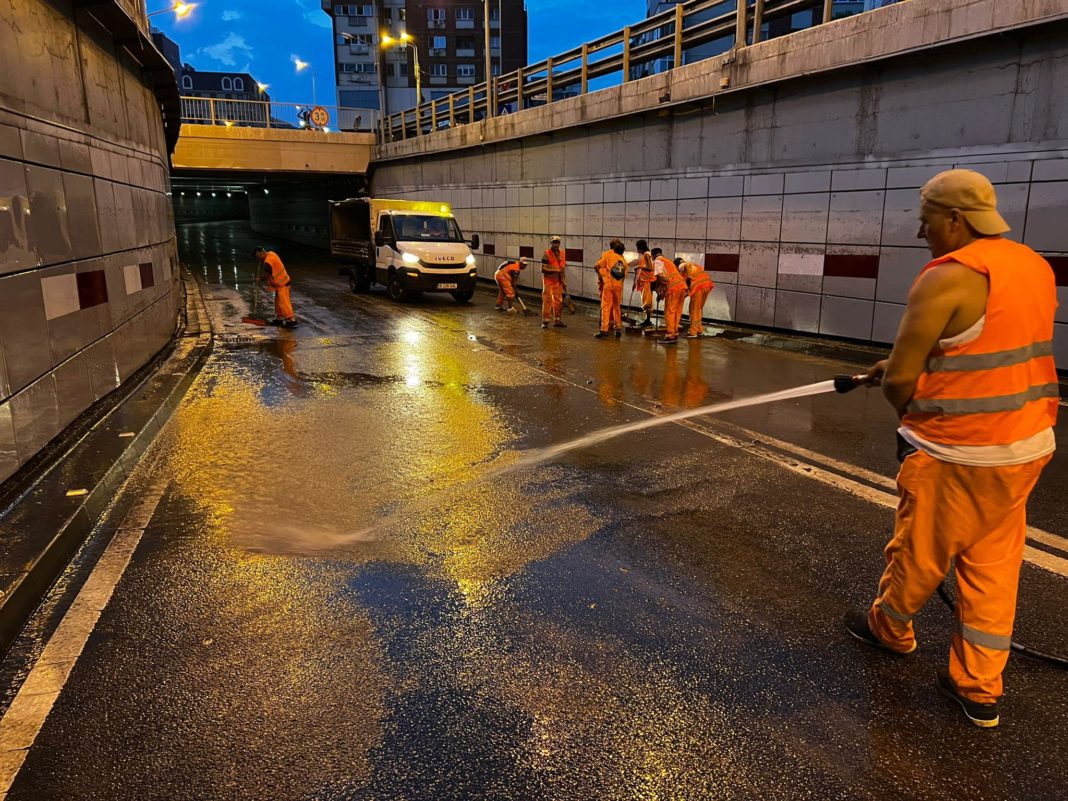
{"x": 655, "y": 618}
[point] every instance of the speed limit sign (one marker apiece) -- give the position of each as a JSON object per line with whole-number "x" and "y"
{"x": 320, "y": 116}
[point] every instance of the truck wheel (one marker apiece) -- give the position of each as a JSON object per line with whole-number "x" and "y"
{"x": 463, "y": 295}
{"x": 395, "y": 289}
{"x": 359, "y": 283}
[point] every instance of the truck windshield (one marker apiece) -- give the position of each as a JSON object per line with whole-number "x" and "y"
{"x": 426, "y": 228}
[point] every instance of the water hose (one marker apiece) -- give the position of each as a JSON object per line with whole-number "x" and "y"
{"x": 847, "y": 383}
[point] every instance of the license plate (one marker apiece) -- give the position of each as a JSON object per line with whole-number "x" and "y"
{"x": 448, "y": 286}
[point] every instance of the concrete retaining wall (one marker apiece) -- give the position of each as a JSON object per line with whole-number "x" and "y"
{"x": 800, "y": 196}
{"x": 88, "y": 265}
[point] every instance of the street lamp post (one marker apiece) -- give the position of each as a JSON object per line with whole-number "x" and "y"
{"x": 304, "y": 65}
{"x": 407, "y": 41}
{"x": 181, "y": 10}
{"x": 489, "y": 65}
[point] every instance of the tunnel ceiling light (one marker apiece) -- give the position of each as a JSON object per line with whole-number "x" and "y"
{"x": 198, "y": 194}
{"x": 213, "y": 194}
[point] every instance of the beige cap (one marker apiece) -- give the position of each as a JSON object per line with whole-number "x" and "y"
{"x": 554, "y": 239}
{"x": 972, "y": 194}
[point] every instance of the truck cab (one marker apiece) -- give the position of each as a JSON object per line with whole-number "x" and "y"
{"x": 408, "y": 247}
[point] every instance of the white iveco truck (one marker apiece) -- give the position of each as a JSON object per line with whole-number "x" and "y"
{"x": 408, "y": 247}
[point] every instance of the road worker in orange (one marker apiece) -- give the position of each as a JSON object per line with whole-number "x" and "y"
{"x": 554, "y": 284}
{"x": 611, "y": 274}
{"x": 700, "y": 285}
{"x": 672, "y": 287}
{"x": 274, "y": 275}
{"x": 507, "y": 276}
{"x": 973, "y": 379}
{"x": 644, "y": 279}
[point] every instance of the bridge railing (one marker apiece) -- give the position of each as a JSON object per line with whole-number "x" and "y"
{"x": 272, "y": 114}
{"x": 653, "y": 45}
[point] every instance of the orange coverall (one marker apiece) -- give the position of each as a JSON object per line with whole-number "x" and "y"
{"x": 644, "y": 280}
{"x": 674, "y": 296}
{"x": 506, "y": 276}
{"x": 700, "y": 287}
{"x": 553, "y": 282}
{"x": 278, "y": 282}
{"x": 611, "y": 290}
{"x": 971, "y": 395}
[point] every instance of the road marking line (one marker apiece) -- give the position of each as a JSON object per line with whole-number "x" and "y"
{"x": 23, "y": 720}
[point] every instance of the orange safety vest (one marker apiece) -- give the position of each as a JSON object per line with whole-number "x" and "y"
{"x": 644, "y": 276}
{"x": 279, "y": 277}
{"x": 673, "y": 279}
{"x": 1001, "y": 387}
{"x": 508, "y": 271}
{"x": 557, "y": 264}
{"x": 698, "y": 278}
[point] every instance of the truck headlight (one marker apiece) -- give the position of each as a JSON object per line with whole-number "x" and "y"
{"x": 470, "y": 261}
{"x": 410, "y": 258}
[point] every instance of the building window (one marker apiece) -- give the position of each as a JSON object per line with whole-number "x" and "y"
{"x": 435, "y": 15}
{"x": 465, "y": 14}
{"x": 227, "y": 84}
{"x": 465, "y": 70}
{"x": 187, "y": 82}
{"x": 239, "y": 85}
{"x": 495, "y": 14}
{"x": 354, "y": 11}
{"x": 438, "y": 45}
{"x": 402, "y": 15}
{"x": 465, "y": 43}
{"x": 495, "y": 42}
{"x": 439, "y": 70}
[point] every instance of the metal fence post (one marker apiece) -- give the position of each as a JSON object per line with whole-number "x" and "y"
{"x": 679, "y": 13}
{"x": 471, "y": 103}
{"x": 548, "y": 81}
{"x": 828, "y": 9}
{"x": 740, "y": 34}
{"x": 433, "y": 115}
{"x": 519, "y": 89}
{"x": 758, "y": 20}
{"x": 585, "y": 67}
{"x": 211, "y": 109}
{"x": 452, "y": 110}
{"x": 626, "y": 54}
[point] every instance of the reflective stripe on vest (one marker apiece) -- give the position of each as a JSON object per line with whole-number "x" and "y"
{"x": 1000, "y": 387}
{"x": 699, "y": 280}
{"x": 673, "y": 276}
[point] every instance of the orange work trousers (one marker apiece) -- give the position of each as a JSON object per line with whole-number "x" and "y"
{"x": 647, "y": 297}
{"x": 506, "y": 291}
{"x": 977, "y": 517}
{"x": 552, "y": 301}
{"x": 283, "y": 305}
{"x": 697, "y": 309}
{"x": 612, "y": 306}
{"x": 673, "y": 304}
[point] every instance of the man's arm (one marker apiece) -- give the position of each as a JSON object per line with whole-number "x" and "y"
{"x": 933, "y": 301}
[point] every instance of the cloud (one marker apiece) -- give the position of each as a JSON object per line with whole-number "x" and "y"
{"x": 314, "y": 15}
{"x": 225, "y": 51}
{"x": 232, "y": 15}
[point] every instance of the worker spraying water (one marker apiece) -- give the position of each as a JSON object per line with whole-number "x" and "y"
{"x": 973, "y": 380}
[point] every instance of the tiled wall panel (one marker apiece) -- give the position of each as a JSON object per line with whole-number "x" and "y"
{"x": 82, "y": 195}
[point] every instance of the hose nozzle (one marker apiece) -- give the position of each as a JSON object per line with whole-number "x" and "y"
{"x": 846, "y": 383}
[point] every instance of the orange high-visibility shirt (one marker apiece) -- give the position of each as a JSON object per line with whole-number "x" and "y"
{"x": 277, "y": 277}
{"x": 1002, "y": 386}
{"x": 608, "y": 260}
{"x": 557, "y": 264}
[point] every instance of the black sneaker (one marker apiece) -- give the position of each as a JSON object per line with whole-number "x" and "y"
{"x": 645, "y": 323}
{"x": 985, "y": 716}
{"x": 856, "y": 623}
{"x": 544, "y": 325}
{"x": 672, "y": 341}
{"x": 289, "y": 324}
{"x": 601, "y": 335}
{"x": 559, "y": 324}
{"x": 277, "y": 322}
{"x": 619, "y": 333}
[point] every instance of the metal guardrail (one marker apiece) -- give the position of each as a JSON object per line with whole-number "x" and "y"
{"x": 630, "y": 53}
{"x": 270, "y": 114}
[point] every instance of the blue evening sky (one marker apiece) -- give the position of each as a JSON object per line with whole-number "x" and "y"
{"x": 263, "y": 36}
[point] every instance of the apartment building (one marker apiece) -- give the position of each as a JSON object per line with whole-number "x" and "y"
{"x": 450, "y": 37}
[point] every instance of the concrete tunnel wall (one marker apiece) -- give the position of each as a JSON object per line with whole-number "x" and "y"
{"x": 87, "y": 249}
{"x": 801, "y": 198}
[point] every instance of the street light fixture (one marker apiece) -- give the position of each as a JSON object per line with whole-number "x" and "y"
{"x": 406, "y": 40}
{"x": 263, "y": 87}
{"x": 304, "y": 65}
{"x": 181, "y": 10}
